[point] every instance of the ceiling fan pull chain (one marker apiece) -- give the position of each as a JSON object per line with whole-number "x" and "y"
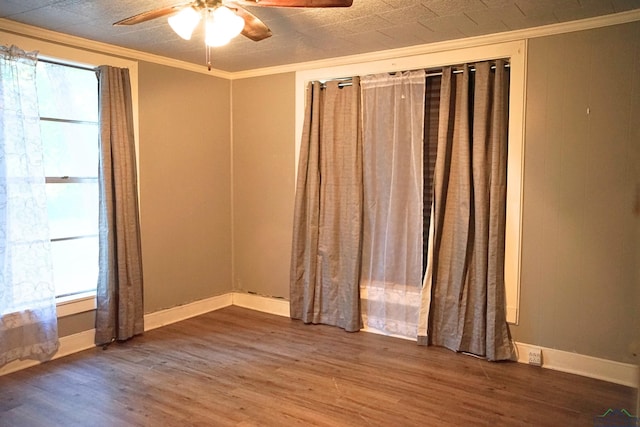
{"x": 208, "y": 57}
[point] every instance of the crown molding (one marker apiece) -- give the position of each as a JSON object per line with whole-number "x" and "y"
{"x": 469, "y": 42}
{"x": 38, "y": 33}
{"x": 105, "y": 48}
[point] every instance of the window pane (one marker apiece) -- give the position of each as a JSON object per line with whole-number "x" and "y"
{"x": 73, "y": 209}
{"x": 67, "y": 93}
{"x": 70, "y": 149}
{"x": 75, "y": 265}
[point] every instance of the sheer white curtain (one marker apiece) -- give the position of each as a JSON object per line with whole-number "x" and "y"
{"x": 28, "y": 323}
{"x": 391, "y": 279}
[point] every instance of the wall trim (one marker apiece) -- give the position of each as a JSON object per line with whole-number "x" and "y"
{"x": 438, "y": 47}
{"x": 104, "y": 48}
{"x": 86, "y": 339}
{"x": 602, "y": 369}
{"x": 165, "y": 317}
{"x": 558, "y": 360}
{"x": 580, "y": 364}
{"x": 75, "y": 305}
{"x": 546, "y": 30}
{"x": 68, "y": 345}
{"x": 277, "y": 306}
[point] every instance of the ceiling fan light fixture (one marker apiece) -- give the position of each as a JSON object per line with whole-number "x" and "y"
{"x": 221, "y": 26}
{"x": 184, "y": 22}
{"x": 230, "y": 23}
{"x": 213, "y": 34}
{"x": 222, "y": 23}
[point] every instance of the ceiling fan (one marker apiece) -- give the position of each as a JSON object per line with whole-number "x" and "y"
{"x": 224, "y": 19}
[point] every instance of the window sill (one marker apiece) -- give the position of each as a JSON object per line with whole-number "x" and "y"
{"x": 74, "y": 304}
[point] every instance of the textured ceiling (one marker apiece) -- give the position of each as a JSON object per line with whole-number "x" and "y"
{"x": 301, "y": 35}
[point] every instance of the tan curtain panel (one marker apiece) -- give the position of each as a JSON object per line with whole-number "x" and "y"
{"x": 119, "y": 314}
{"x": 463, "y": 297}
{"x": 326, "y": 249}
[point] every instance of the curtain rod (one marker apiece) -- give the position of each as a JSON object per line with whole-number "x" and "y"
{"x": 457, "y": 71}
{"x": 346, "y": 81}
{"x": 79, "y": 67}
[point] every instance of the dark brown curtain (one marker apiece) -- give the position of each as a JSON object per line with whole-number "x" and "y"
{"x": 119, "y": 314}
{"x": 327, "y": 233}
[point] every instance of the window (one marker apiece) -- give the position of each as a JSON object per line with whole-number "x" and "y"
{"x": 434, "y": 56}
{"x": 68, "y": 105}
{"x": 61, "y": 51}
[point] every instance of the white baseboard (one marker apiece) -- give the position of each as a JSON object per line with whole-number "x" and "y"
{"x": 86, "y": 339}
{"x": 579, "y": 364}
{"x": 386, "y": 334}
{"x": 68, "y": 345}
{"x": 564, "y": 361}
{"x": 175, "y": 314}
{"x": 256, "y": 302}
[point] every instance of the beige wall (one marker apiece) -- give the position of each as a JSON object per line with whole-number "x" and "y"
{"x": 185, "y": 180}
{"x": 579, "y": 283}
{"x": 185, "y": 197}
{"x": 580, "y": 239}
{"x": 263, "y": 182}
{"x": 76, "y": 323}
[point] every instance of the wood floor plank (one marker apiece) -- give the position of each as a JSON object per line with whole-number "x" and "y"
{"x": 237, "y": 367}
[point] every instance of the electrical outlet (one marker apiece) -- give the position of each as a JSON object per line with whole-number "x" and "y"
{"x": 535, "y": 357}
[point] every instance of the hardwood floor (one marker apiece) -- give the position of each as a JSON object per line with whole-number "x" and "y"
{"x": 237, "y": 367}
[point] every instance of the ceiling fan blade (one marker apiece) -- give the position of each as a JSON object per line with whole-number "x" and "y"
{"x": 299, "y": 3}
{"x": 254, "y": 28}
{"x": 152, "y": 14}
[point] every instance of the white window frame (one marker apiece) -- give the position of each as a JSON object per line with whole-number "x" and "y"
{"x": 67, "y": 300}
{"x": 516, "y": 51}
{"x": 65, "y": 54}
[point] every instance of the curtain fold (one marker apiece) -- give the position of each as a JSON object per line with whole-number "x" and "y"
{"x": 393, "y": 126}
{"x": 119, "y": 314}
{"x": 463, "y": 305}
{"x": 28, "y": 322}
{"x": 326, "y": 248}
